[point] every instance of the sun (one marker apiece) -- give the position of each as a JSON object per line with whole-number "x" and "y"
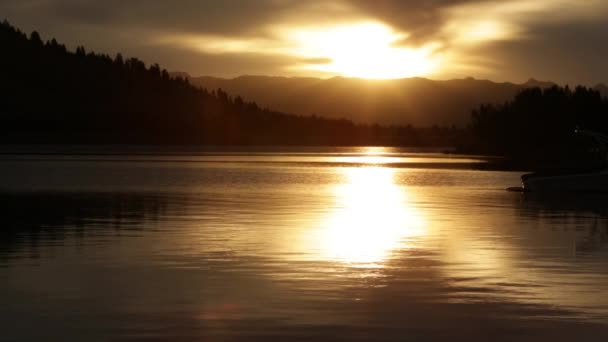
{"x": 365, "y": 50}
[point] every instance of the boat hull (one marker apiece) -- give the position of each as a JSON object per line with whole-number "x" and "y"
{"x": 581, "y": 182}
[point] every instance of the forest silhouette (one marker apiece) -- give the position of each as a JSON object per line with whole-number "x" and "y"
{"x": 542, "y": 127}
{"x": 49, "y": 95}
{"x": 52, "y": 95}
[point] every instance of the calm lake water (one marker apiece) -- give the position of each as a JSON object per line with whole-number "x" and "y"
{"x": 316, "y": 244}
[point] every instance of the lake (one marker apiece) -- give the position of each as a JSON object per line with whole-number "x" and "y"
{"x": 293, "y": 244}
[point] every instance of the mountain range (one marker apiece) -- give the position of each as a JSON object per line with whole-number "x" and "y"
{"x": 419, "y": 102}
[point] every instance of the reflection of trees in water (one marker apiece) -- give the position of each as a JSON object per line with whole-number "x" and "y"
{"x": 35, "y": 218}
{"x": 586, "y": 211}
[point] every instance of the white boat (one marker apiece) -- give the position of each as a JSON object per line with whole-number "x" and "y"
{"x": 571, "y": 181}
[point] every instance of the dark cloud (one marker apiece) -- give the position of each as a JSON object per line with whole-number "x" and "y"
{"x": 421, "y": 19}
{"x": 193, "y": 16}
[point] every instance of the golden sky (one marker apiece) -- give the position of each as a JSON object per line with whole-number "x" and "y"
{"x": 509, "y": 40}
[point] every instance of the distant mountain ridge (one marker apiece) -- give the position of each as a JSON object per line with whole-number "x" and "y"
{"x": 415, "y": 101}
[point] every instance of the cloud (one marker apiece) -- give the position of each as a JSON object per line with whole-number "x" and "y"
{"x": 320, "y": 60}
{"x": 226, "y": 17}
{"x": 423, "y": 20}
{"x": 573, "y": 52}
{"x": 556, "y": 40}
{"x": 485, "y": 38}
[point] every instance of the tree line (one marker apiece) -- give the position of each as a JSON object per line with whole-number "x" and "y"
{"x": 49, "y": 94}
{"x": 542, "y": 127}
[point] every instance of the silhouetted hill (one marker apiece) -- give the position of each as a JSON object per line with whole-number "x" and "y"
{"x": 534, "y": 83}
{"x": 51, "y": 95}
{"x": 415, "y": 101}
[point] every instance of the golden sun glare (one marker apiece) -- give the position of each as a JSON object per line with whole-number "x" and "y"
{"x": 372, "y": 217}
{"x": 367, "y": 50}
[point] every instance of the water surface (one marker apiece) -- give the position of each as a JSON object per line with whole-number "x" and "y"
{"x": 321, "y": 244}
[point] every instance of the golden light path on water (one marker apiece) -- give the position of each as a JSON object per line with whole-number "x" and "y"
{"x": 372, "y": 216}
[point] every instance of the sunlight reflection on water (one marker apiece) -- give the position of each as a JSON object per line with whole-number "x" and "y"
{"x": 202, "y": 250}
{"x": 372, "y": 217}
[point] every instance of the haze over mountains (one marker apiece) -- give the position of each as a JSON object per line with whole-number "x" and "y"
{"x": 411, "y": 101}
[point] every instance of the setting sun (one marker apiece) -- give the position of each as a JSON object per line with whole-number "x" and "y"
{"x": 367, "y": 50}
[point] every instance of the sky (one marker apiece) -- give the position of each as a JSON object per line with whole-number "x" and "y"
{"x": 509, "y": 40}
